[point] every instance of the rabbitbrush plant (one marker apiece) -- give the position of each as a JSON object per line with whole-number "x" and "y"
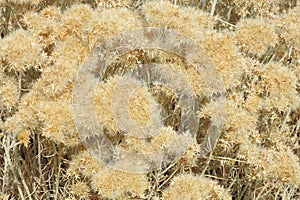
{"x": 255, "y": 47}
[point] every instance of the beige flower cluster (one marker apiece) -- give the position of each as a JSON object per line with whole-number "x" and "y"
{"x": 255, "y": 47}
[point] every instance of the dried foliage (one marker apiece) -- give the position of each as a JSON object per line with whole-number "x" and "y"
{"x": 255, "y": 46}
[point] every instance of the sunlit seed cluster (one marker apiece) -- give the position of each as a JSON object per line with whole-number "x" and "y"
{"x": 188, "y": 186}
{"x": 28, "y": 53}
{"x": 120, "y": 183}
{"x": 255, "y": 36}
{"x": 221, "y": 47}
{"x": 280, "y": 84}
{"x": 188, "y": 21}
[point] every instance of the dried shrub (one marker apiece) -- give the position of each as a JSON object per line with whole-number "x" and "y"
{"x": 255, "y": 36}
{"x": 188, "y": 186}
{"x": 255, "y": 47}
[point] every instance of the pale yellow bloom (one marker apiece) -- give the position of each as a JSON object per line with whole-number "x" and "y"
{"x": 24, "y": 138}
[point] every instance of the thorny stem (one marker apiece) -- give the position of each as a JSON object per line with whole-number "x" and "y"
{"x": 221, "y": 20}
{"x": 7, "y": 148}
{"x": 57, "y": 176}
{"x": 39, "y": 163}
{"x": 207, "y": 164}
{"x": 156, "y": 176}
{"x": 13, "y": 12}
{"x": 285, "y": 119}
{"x": 262, "y": 191}
{"x": 213, "y": 7}
{"x": 29, "y": 194}
{"x": 20, "y": 86}
{"x": 169, "y": 178}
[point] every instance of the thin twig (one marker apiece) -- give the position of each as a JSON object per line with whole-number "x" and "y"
{"x": 221, "y": 20}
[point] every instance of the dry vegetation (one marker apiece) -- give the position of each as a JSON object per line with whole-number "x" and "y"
{"x": 255, "y": 46}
